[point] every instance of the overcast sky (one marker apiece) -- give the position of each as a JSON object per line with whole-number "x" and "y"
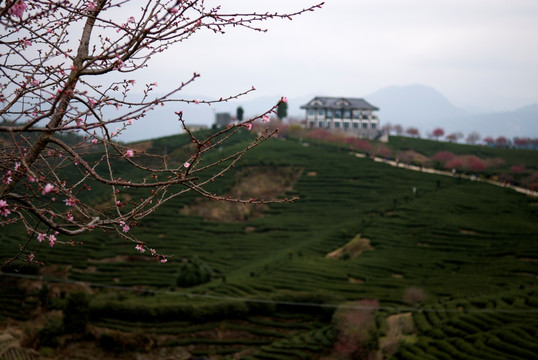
{"x": 478, "y": 53}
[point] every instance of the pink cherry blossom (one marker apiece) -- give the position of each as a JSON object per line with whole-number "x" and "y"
{"x": 284, "y": 99}
{"x": 52, "y": 240}
{"x": 70, "y": 201}
{"x": 91, "y": 6}
{"x": 18, "y": 8}
{"x": 131, "y": 19}
{"x": 163, "y": 259}
{"x": 140, "y": 248}
{"x": 40, "y": 237}
{"x": 129, "y": 153}
{"x": 31, "y": 257}
{"x": 47, "y": 189}
{"x": 31, "y": 179}
{"x": 25, "y": 43}
{"x": 196, "y": 101}
{"x": 4, "y": 208}
{"x": 17, "y": 166}
{"x": 35, "y": 82}
{"x": 187, "y": 164}
{"x": 69, "y": 216}
{"x": 266, "y": 119}
{"x": 248, "y": 126}
{"x": 126, "y": 228}
{"x": 94, "y": 141}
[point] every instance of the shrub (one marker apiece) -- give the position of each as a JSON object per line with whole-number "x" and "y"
{"x": 383, "y": 151}
{"x": 454, "y": 164}
{"x": 193, "y": 272}
{"x": 443, "y": 156}
{"x": 415, "y": 295}
{"x": 76, "y": 313}
{"x": 50, "y": 333}
{"x": 518, "y": 169}
{"x": 357, "y": 330}
{"x": 476, "y": 165}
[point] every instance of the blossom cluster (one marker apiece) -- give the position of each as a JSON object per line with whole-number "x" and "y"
{"x": 4, "y": 208}
{"x": 18, "y": 8}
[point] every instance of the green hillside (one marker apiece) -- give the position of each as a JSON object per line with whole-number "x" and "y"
{"x": 468, "y": 250}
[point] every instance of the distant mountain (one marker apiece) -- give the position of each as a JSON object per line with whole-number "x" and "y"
{"x": 522, "y": 122}
{"x": 414, "y": 105}
{"x": 426, "y": 108}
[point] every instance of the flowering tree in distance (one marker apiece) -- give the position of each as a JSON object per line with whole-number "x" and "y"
{"x": 64, "y": 64}
{"x": 413, "y": 132}
{"x": 472, "y": 138}
{"x": 438, "y": 132}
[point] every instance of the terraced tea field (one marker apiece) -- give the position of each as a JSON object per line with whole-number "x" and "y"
{"x": 468, "y": 246}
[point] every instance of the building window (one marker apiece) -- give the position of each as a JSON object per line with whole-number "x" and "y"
{"x": 311, "y": 124}
{"x": 357, "y": 115}
{"x": 329, "y": 113}
{"x": 373, "y": 125}
{"x": 320, "y": 112}
{"x": 347, "y": 114}
{"x": 320, "y": 124}
{"x": 337, "y": 125}
{"x": 356, "y": 125}
{"x": 328, "y": 125}
{"x": 338, "y": 114}
{"x": 365, "y": 116}
{"x": 346, "y": 125}
{"x": 365, "y": 125}
{"x": 311, "y": 112}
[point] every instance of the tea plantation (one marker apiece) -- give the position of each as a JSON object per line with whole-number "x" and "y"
{"x": 470, "y": 248}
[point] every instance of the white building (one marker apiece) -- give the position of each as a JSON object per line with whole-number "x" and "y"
{"x": 352, "y": 115}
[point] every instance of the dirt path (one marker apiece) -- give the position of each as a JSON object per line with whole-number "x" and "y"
{"x": 448, "y": 173}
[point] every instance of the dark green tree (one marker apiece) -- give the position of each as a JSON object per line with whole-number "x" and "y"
{"x": 282, "y": 110}
{"x": 239, "y": 113}
{"x": 193, "y": 272}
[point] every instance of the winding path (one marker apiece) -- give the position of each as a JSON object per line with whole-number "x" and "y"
{"x": 520, "y": 189}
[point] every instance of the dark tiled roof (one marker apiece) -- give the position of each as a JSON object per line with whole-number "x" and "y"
{"x": 338, "y": 103}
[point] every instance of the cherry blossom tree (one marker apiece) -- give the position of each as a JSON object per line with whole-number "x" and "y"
{"x": 454, "y": 137}
{"x": 68, "y": 73}
{"x": 501, "y": 142}
{"x": 387, "y": 128}
{"x": 413, "y": 132}
{"x": 398, "y": 129}
{"x": 472, "y": 138}
{"x": 443, "y": 156}
{"x": 489, "y": 141}
{"x": 438, "y": 132}
{"x": 521, "y": 143}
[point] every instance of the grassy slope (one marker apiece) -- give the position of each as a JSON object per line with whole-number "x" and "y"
{"x": 455, "y": 239}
